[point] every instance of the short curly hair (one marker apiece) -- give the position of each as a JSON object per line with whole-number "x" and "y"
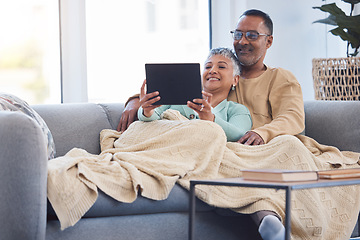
{"x": 228, "y": 53}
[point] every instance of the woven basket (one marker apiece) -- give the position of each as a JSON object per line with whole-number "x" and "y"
{"x": 336, "y": 78}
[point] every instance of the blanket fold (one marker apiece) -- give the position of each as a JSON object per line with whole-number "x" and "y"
{"x": 150, "y": 157}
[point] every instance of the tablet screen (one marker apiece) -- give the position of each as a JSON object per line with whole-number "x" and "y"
{"x": 177, "y": 83}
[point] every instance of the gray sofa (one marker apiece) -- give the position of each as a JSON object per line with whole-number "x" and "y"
{"x": 26, "y": 214}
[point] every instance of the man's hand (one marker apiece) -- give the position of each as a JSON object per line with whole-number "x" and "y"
{"x": 251, "y": 138}
{"x": 129, "y": 115}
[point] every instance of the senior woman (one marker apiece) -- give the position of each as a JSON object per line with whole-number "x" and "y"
{"x": 220, "y": 76}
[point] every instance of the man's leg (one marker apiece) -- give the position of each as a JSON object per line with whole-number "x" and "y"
{"x": 270, "y": 226}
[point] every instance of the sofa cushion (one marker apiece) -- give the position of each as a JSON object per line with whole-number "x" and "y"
{"x": 161, "y": 226}
{"x": 75, "y": 125}
{"x": 105, "y": 206}
{"x": 334, "y": 123}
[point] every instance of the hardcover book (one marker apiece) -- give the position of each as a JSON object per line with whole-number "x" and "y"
{"x": 279, "y": 175}
{"x": 340, "y": 173}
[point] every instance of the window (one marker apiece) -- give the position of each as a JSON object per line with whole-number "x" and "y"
{"x": 124, "y": 35}
{"x": 29, "y": 50}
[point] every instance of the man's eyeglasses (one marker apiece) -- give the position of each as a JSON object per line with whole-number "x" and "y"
{"x": 249, "y": 35}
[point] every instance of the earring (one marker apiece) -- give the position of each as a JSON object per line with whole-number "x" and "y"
{"x": 233, "y": 87}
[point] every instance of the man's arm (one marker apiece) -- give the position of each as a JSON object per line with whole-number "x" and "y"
{"x": 287, "y": 112}
{"x": 279, "y": 114}
{"x": 129, "y": 115}
{"x": 285, "y": 107}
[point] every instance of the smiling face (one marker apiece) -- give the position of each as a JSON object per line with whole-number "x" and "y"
{"x": 252, "y": 53}
{"x": 218, "y": 75}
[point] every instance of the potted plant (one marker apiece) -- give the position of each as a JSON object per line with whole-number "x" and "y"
{"x": 339, "y": 78}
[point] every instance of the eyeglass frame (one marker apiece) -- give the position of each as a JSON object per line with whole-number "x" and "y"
{"x": 245, "y": 33}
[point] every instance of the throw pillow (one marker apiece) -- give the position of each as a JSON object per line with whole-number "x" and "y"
{"x": 12, "y": 103}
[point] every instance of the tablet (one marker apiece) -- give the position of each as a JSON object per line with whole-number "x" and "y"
{"x": 177, "y": 83}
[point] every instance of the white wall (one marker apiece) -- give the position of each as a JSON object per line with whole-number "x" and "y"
{"x": 296, "y": 40}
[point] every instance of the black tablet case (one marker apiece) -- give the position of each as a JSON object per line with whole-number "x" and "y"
{"x": 177, "y": 83}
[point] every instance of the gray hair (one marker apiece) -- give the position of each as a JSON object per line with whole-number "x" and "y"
{"x": 229, "y": 54}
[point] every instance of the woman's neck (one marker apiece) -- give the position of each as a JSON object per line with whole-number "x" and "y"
{"x": 218, "y": 98}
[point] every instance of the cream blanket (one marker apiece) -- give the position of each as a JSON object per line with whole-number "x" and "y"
{"x": 150, "y": 157}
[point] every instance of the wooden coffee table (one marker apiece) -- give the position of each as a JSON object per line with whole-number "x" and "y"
{"x": 287, "y": 186}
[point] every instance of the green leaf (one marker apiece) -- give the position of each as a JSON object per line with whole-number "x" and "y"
{"x": 332, "y": 9}
{"x": 352, "y": 23}
{"x": 357, "y": 36}
{"x": 351, "y": 1}
{"x": 331, "y": 20}
{"x": 346, "y": 37}
{"x": 348, "y": 27}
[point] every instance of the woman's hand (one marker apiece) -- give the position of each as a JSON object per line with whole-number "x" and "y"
{"x": 203, "y": 107}
{"x": 147, "y": 100}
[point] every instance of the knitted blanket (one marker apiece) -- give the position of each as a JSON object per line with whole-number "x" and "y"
{"x": 150, "y": 157}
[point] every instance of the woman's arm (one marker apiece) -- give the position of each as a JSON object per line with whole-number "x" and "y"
{"x": 155, "y": 116}
{"x": 238, "y": 122}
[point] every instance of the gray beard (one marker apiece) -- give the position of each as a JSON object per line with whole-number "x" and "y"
{"x": 249, "y": 63}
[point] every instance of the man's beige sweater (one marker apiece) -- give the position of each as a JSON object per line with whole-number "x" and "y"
{"x": 275, "y": 102}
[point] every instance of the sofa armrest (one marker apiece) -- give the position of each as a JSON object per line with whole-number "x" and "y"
{"x": 334, "y": 123}
{"x": 23, "y": 176}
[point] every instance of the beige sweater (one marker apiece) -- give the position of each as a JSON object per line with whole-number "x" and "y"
{"x": 153, "y": 156}
{"x": 275, "y": 102}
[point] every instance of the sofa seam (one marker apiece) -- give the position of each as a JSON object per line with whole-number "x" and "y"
{"x": 107, "y": 112}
